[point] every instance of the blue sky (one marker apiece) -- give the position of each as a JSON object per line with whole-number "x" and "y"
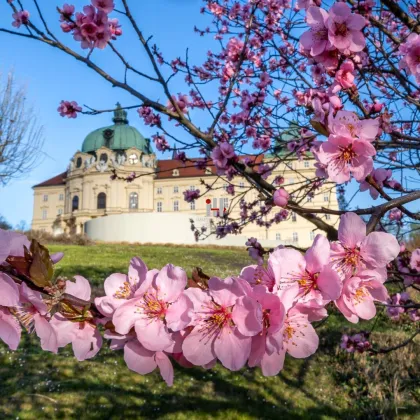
{"x": 51, "y": 76}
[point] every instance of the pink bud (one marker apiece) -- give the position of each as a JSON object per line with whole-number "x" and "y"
{"x": 402, "y": 247}
{"x": 281, "y": 197}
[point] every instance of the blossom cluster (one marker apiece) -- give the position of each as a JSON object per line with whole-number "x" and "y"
{"x": 92, "y": 27}
{"x": 159, "y": 316}
{"x": 356, "y": 343}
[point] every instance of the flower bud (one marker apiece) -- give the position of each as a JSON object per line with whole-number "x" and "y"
{"x": 281, "y": 197}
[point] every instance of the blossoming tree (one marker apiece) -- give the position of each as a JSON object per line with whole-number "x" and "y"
{"x": 347, "y": 75}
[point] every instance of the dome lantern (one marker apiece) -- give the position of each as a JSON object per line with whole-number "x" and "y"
{"x": 120, "y": 115}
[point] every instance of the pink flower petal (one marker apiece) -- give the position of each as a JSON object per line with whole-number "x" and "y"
{"x": 171, "y": 282}
{"x": 247, "y": 315}
{"x": 166, "y": 368}
{"x": 139, "y": 359}
{"x": 318, "y": 255}
{"x": 225, "y": 292}
{"x": 329, "y": 283}
{"x": 46, "y": 333}
{"x": 87, "y": 343}
{"x": 80, "y": 288}
{"x": 10, "y": 329}
{"x": 257, "y": 349}
{"x": 232, "y": 348}
{"x": 178, "y": 314}
{"x": 379, "y": 248}
{"x": 9, "y": 295}
{"x": 137, "y": 271}
{"x": 352, "y": 230}
{"x": 153, "y": 334}
{"x": 304, "y": 340}
{"x": 365, "y": 309}
{"x": 272, "y": 364}
{"x": 126, "y": 316}
{"x": 198, "y": 348}
{"x": 115, "y": 283}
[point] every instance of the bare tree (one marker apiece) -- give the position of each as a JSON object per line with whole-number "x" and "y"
{"x": 21, "y": 136}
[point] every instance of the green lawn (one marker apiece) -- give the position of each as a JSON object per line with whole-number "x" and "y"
{"x": 329, "y": 385}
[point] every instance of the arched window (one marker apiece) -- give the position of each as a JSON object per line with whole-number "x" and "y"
{"x": 134, "y": 201}
{"x": 101, "y": 200}
{"x": 75, "y": 203}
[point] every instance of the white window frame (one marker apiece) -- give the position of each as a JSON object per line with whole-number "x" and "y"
{"x": 176, "y": 189}
{"x": 159, "y": 206}
{"x": 192, "y": 205}
{"x": 306, "y": 164}
{"x": 61, "y": 197}
{"x": 159, "y": 190}
{"x": 326, "y": 197}
{"x": 176, "y": 205}
{"x": 44, "y": 214}
{"x": 295, "y": 237}
{"x": 278, "y": 236}
{"x": 45, "y": 198}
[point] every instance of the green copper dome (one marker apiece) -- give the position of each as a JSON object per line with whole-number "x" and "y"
{"x": 119, "y": 136}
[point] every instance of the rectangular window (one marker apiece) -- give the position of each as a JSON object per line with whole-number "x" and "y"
{"x": 44, "y": 214}
{"x": 192, "y": 188}
{"x": 309, "y": 199}
{"x": 225, "y": 186}
{"x": 61, "y": 197}
{"x": 293, "y": 217}
{"x": 291, "y": 181}
{"x": 208, "y": 209}
{"x": 60, "y": 211}
{"x": 215, "y": 206}
{"x": 311, "y": 235}
{"x": 306, "y": 164}
{"x": 159, "y": 190}
{"x": 328, "y": 217}
{"x": 45, "y": 197}
{"x": 175, "y": 189}
{"x": 241, "y": 185}
{"x": 159, "y": 207}
{"x": 192, "y": 205}
{"x": 225, "y": 203}
{"x": 176, "y": 205}
{"x": 326, "y": 197}
{"x": 295, "y": 237}
{"x": 278, "y": 237}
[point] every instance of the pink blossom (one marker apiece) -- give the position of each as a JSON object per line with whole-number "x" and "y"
{"x": 32, "y": 312}
{"x": 121, "y": 287}
{"x": 410, "y": 51}
{"x": 160, "y": 306}
{"x": 222, "y": 153}
{"x": 224, "y": 322}
{"x": 266, "y": 346}
{"x": 344, "y": 156}
{"x": 379, "y": 175}
{"x": 344, "y": 28}
{"x": 66, "y": 12}
{"x": 69, "y": 109}
{"x": 83, "y": 334}
{"x": 359, "y": 294}
{"x": 183, "y": 102}
{"x": 20, "y": 18}
{"x": 345, "y": 75}
{"x": 415, "y": 260}
{"x": 312, "y": 273}
{"x": 107, "y": 6}
{"x": 281, "y": 197}
{"x": 356, "y": 251}
{"x": 316, "y": 39}
{"x": 347, "y": 124}
{"x": 395, "y": 214}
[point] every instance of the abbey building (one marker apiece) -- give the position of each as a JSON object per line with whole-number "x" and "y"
{"x": 85, "y": 199}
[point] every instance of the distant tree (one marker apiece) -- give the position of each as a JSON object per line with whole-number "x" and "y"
{"x": 22, "y": 226}
{"x": 21, "y": 136}
{"x": 4, "y": 224}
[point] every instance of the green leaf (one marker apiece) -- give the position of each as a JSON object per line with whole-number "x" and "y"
{"x": 41, "y": 270}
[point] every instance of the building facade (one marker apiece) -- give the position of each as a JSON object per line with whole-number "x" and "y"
{"x": 85, "y": 191}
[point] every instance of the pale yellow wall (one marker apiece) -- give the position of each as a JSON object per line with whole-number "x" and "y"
{"x": 51, "y": 207}
{"x": 87, "y": 183}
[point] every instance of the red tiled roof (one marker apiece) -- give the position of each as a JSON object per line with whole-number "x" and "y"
{"x": 57, "y": 180}
{"x": 165, "y": 168}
